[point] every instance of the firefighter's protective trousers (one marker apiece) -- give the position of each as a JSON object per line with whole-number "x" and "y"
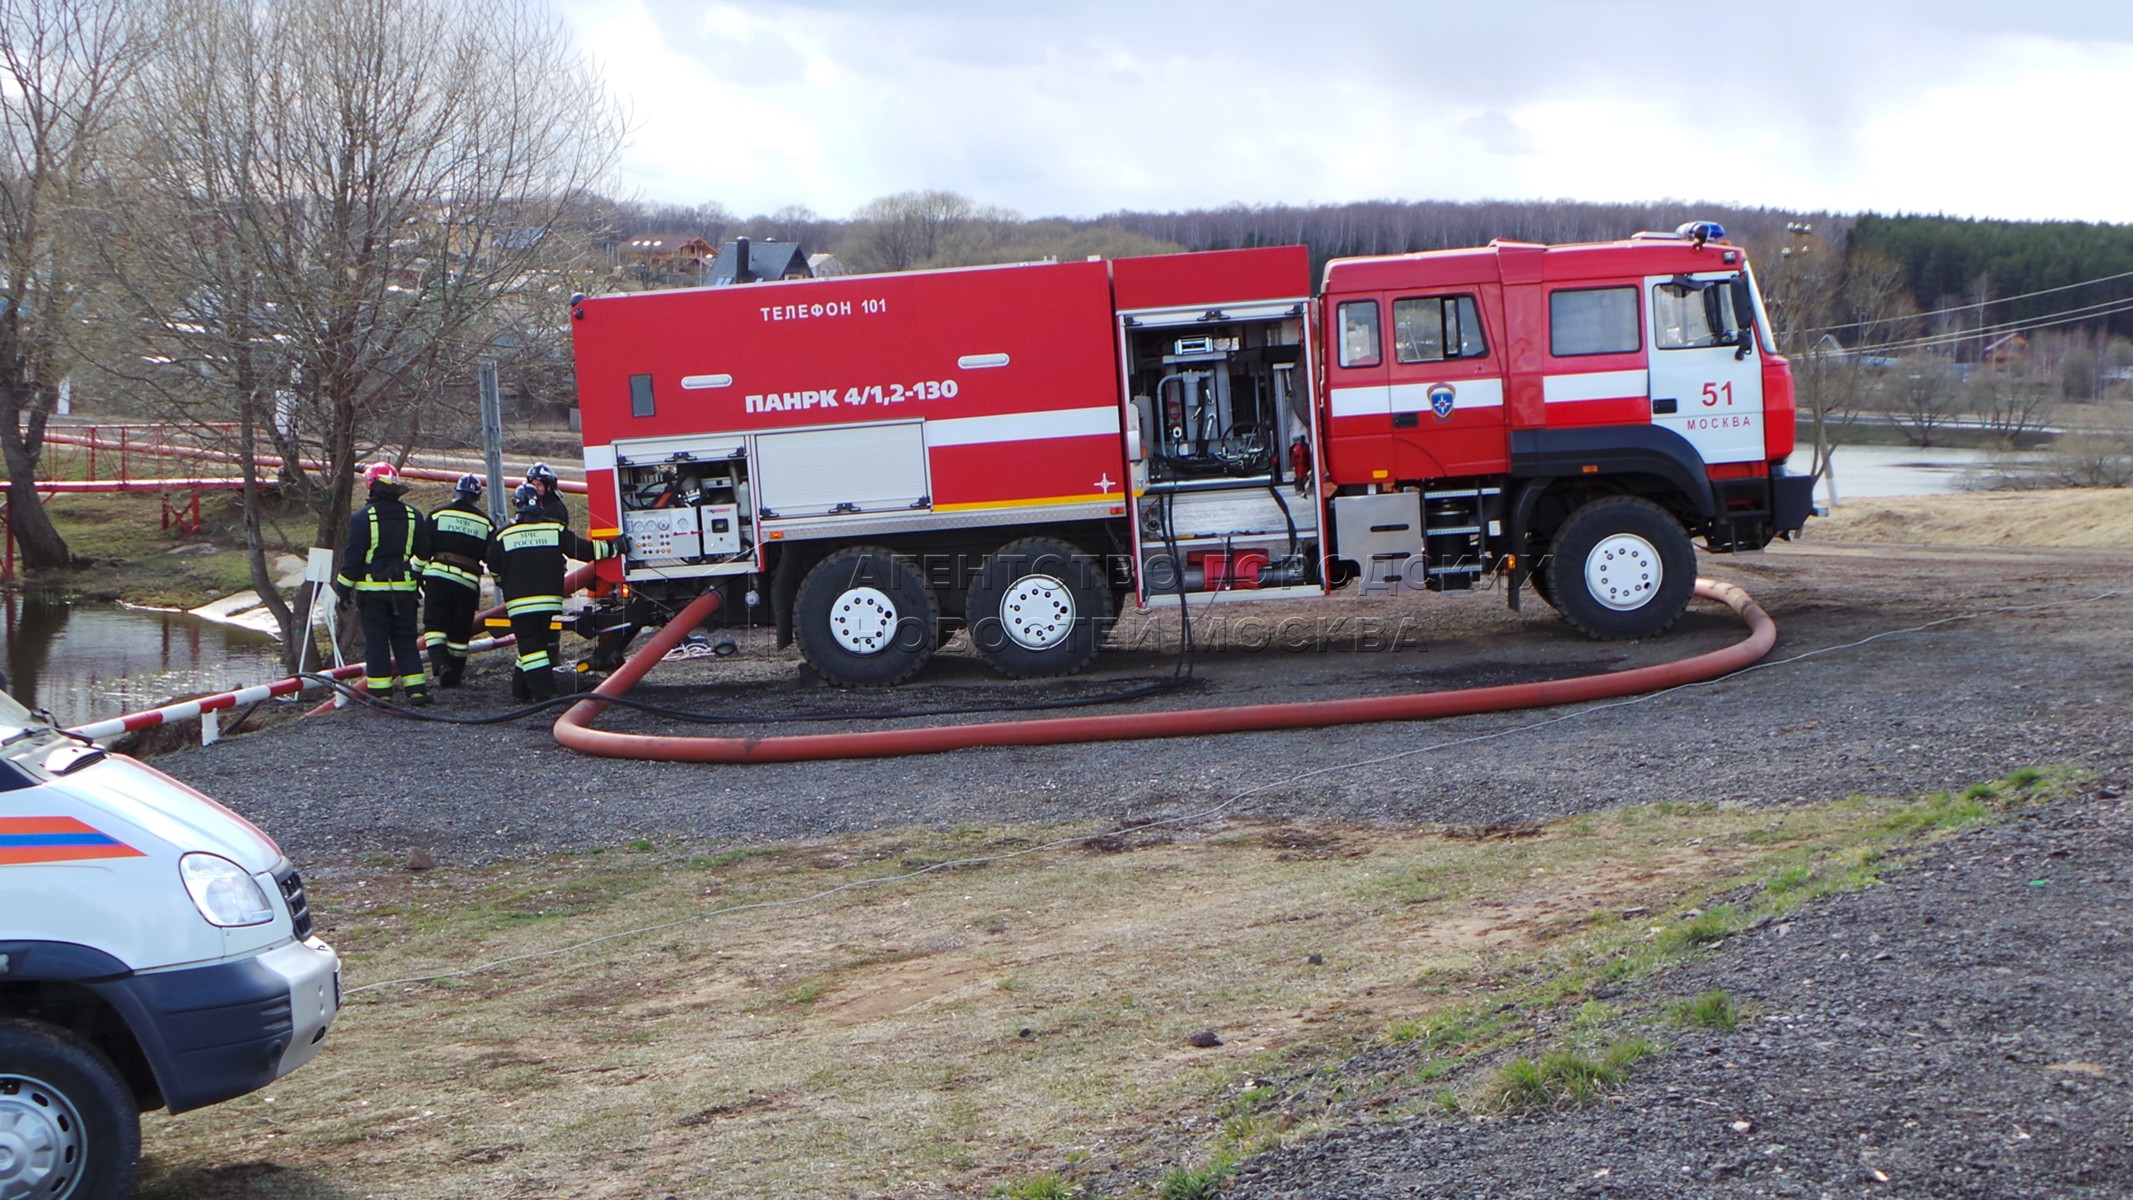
{"x": 451, "y": 585}
{"x": 528, "y": 557}
{"x": 382, "y": 565}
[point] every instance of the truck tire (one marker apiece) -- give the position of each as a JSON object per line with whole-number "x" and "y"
{"x": 1542, "y": 584}
{"x": 864, "y": 617}
{"x": 1622, "y": 567}
{"x": 69, "y": 1128}
{"x": 1038, "y": 607}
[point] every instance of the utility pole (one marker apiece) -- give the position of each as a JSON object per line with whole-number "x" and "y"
{"x": 492, "y": 438}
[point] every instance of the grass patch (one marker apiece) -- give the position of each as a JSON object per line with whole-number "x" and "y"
{"x": 1188, "y": 1183}
{"x": 1047, "y": 1186}
{"x": 1699, "y": 930}
{"x": 1712, "y": 1010}
{"x": 1561, "y": 1079}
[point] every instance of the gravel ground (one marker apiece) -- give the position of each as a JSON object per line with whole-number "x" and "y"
{"x": 1963, "y": 1031}
{"x": 1946, "y": 706}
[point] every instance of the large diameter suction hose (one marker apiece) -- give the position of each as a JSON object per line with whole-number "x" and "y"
{"x": 573, "y": 731}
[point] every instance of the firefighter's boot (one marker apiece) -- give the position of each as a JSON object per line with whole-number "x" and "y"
{"x": 519, "y": 688}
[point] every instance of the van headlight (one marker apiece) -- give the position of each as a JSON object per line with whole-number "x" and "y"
{"x": 223, "y": 893}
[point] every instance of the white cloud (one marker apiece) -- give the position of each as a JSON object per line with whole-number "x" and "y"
{"x": 1086, "y": 108}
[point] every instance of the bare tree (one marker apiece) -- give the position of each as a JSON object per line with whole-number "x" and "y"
{"x": 2009, "y": 402}
{"x": 917, "y": 229}
{"x": 64, "y": 66}
{"x": 1922, "y": 399}
{"x": 340, "y": 204}
{"x": 1821, "y": 300}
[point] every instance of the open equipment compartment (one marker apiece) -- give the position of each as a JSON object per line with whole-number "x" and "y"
{"x": 685, "y": 507}
{"x": 1221, "y": 427}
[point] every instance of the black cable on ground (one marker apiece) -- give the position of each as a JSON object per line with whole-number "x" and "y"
{"x": 1141, "y": 692}
{"x": 242, "y": 717}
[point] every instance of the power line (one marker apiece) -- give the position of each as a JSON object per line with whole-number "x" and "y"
{"x": 2048, "y": 320}
{"x": 1941, "y": 312}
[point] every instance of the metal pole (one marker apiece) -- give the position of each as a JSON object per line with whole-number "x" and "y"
{"x": 492, "y": 438}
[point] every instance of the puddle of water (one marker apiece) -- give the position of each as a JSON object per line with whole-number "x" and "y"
{"x": 1865, "y": 471}
{"x": 91, "y": 661}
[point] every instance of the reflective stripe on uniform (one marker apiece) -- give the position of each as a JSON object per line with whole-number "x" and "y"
{"x": 536, "y": 661}
{"x": 410, "y": 565}
{"x": 533, "y": 604}
{"x": 450, "y": 573}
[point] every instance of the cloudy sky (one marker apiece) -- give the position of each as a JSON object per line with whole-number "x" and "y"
{"x": 2021, "y": 110}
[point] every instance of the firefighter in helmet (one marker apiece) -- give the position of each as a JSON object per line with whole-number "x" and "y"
{"x": 381, "y": 569}
{"x": 541, "y": 476}
{"x": 527, "y": 556}
{"x": 451, "y": 584}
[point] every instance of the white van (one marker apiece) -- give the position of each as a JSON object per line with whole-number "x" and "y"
{"x": 155, "y": 952}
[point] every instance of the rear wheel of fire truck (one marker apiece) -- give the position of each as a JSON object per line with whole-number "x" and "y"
{"x": 864, "y": 617}
{"x": 1038, "y": 607}
{"x": 69, "y": 1128}
{"x": 1621, "y": 568}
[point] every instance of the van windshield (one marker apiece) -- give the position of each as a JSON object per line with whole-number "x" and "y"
{"x": 15, "y": 720}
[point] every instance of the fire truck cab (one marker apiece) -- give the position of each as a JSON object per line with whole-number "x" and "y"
{"x": 1022, "y": 450}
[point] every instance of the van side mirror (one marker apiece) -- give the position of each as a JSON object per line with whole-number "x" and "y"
{"x": 1743, "y": 342}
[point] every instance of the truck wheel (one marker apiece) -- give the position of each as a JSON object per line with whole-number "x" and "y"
{"x": 864, "y": 617}
{"x": 1622, "y": 568}
{"x": 69, "y": 1129}
{"x": 1542, "y": 584}
{"x": 1038, "y": 607}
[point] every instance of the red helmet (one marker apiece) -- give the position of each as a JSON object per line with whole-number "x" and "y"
{"x": 379, "y": 472}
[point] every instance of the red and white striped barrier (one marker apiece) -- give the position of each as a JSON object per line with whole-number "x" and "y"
{"x": 266, "y": 461}
{"x": 53, "y": 486}
{"x": 205, "y": 705}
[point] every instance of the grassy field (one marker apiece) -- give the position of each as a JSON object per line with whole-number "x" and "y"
{"x": 2098, "y": 518}
{"x": 1003, "y": 1011}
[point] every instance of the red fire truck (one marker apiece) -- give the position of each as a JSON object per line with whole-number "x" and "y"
{"x": 1022, "y": 450}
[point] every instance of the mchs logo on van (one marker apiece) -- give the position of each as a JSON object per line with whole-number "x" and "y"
{"x": 1440, "y": 400}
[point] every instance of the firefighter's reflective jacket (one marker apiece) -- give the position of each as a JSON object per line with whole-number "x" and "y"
{"x": 528, "y": 557}
{"x": 459, "y": 540}
{"x": 388, "y": 542}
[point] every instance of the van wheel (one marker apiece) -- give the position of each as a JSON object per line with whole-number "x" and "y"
{"x": 69, "y": 1129}
{"x": 864, "y": 617}
{"x": 1622, "y": 567}
{"x": 1038, "y": 607}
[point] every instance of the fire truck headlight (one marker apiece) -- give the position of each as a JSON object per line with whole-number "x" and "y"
{"x": 223, "y": 893}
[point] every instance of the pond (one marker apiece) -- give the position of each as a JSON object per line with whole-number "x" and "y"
{"x": 89, "y": 661}
{"x": 1866, "y": 471}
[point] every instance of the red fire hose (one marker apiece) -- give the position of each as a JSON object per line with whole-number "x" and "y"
{"x": 573, "y": 729}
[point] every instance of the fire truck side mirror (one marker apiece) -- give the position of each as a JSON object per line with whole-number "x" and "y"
{"x": 1743, "y": 312}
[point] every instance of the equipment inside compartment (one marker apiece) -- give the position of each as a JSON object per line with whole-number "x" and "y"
{"x": 1218, "y": 399}
{"x": 685, "y": 508}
